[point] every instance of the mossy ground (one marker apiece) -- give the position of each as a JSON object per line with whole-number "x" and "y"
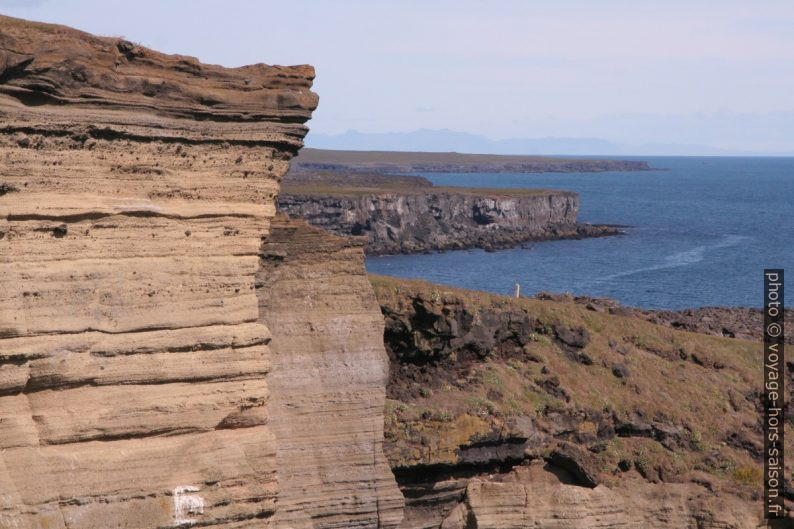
{"x": 706, "y": 387}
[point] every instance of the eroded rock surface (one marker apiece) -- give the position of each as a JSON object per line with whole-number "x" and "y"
{"x": 136, "y": 188}
{"x": 535, "y": 497}
{"x": 744, "y": 323}
{"x": 328, "y": 382}
{"x": 422, "y": 219}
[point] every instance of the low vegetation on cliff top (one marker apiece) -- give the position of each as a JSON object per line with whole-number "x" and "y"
{"x": 333, "y": 190}
{"x": 473, "y": 370}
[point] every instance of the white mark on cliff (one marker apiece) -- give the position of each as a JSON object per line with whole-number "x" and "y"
{"x": 187, "y": 504}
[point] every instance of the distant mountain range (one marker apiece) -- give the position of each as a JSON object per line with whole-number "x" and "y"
{"x": 445, "y": 140}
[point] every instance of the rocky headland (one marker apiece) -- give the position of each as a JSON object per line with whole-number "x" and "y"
{"x": 396, "y": 162}
{"x": 405, "y": 214}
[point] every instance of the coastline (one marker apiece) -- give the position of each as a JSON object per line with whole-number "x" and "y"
{"x": 400, "y": 162}
{"x": 407, "y": 214}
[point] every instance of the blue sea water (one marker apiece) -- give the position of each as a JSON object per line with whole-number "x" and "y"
{"x": 701, "y": 232}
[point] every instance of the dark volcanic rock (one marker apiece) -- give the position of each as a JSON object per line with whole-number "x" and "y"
{"x": 578, "y": 462}
{"x": 577, "y": 338}
{"x": 421, "y": 219}
{"x": 503, "y": 380}
{"x": 620, "y": 371}
{"x": 732, "y": 322}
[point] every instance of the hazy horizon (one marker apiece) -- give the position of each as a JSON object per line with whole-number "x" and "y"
{"x": 445, "y": 140}
{"x": 680, "y": 75}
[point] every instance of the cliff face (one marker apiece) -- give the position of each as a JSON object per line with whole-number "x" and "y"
{"x": 328, "y": 382}
{"x": 535, "y": 497}
{"x": 135, "y": 191}
{"x": 428, "y": 219}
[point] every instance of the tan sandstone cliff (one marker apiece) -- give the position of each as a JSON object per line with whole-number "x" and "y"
{"x": 135, "y": 370}
{"x": 328, "y": 381}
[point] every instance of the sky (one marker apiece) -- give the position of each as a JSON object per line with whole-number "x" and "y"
{"x": 665, "y": 72}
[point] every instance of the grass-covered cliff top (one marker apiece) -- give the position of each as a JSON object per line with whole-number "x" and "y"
{"x": 471, "y": 367}
{"x": 341, "y": 191}
{"x": 350, "y": 183}
{"x": 452, "y": 162}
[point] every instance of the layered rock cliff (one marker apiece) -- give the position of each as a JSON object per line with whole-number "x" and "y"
{"x": 328, "y": 381}
{"x": 533, "y": 496}
{"x": 420, "y": 219}
{"x": 135, "y": 369}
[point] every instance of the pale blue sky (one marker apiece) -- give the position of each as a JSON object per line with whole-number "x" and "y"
{"x": 706, "y": 72}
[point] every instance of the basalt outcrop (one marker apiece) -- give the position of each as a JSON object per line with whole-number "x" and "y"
{"x": 136, "y": 189}
{"x": 397, "y": 219}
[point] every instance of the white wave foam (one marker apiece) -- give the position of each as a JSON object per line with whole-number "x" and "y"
{"x": 685, "y": 258}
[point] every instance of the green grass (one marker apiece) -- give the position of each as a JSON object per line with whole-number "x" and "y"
{"x": 661, "y": 386}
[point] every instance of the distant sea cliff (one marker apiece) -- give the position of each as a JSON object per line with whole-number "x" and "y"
{"x": 407, "y": 214}
{"x": 453, "y": 162}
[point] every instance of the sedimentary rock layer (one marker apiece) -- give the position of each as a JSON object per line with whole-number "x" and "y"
{"x": 135, "y": 188}
{"x": 328, "y": 382}
{"x": 428, "y": 219}
{"x": 534, "y": 497}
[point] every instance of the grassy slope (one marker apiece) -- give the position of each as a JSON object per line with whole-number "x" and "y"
{"x": 696, "y": 382}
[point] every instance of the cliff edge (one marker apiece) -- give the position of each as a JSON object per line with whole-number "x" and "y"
{"x": 135, "y": 191}
{"x": 328, "y": 381}
{"x": 407, "y": 214}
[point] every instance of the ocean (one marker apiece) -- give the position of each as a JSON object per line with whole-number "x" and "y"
{"x": 700, "y": 232}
